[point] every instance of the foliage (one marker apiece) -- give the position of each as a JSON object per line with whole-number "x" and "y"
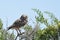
{"x": 1, "y": 24}
{"x": 4, "y": 35}
{"x": 51, "y": 31}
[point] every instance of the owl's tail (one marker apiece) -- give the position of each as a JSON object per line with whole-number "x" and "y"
{"x": 9, "y": 28}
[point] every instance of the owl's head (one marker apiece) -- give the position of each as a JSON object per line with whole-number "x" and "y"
{"x": 23, "y": 17}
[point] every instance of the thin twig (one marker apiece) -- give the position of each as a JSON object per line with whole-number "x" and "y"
{"x": 19, "y": 35}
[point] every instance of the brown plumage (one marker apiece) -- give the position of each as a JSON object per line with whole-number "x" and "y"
{"x": 19, "y": 23}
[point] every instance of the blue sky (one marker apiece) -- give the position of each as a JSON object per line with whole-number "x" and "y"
{"x": 13, "y": 9}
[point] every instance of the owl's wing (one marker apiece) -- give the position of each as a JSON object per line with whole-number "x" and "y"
{"x": 17, "y": 22}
